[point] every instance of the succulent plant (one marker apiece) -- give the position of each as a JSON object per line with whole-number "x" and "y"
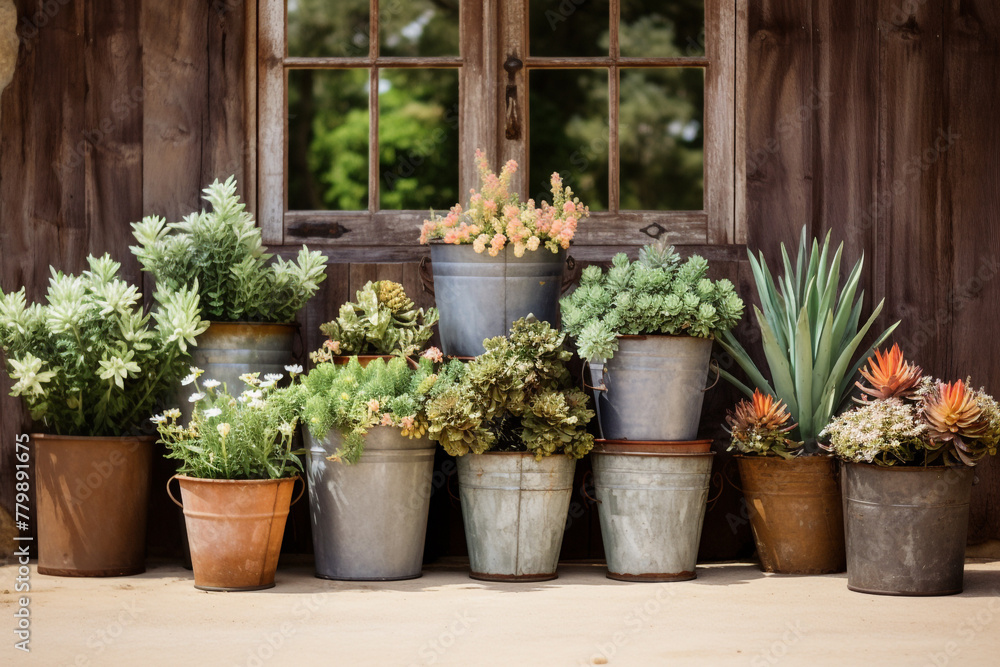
{"x": 760, "y": 425}
{"x": 889, "y": 375}
{"x": 381, "y": 320}
{"x": 954, "y": 416}
{"x": 516, "y": 396}
{"x": 657, "y": 294}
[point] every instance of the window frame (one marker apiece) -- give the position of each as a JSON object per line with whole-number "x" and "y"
{"x": 491, "y": 32}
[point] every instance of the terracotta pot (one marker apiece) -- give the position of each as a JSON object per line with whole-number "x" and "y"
{"x": 796, "y": 513}
{"x": 234, "y": 528}
{"x": 92, "y": 499}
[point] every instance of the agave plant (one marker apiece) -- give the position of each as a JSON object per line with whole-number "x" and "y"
{"x": 889, "y": 376}
{"x": 761, "y": 425}
{"x": 810, "y": 331}
{"x": 954, "y": 416}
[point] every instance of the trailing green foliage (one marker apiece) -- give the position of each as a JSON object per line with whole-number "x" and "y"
{"x": 516, "y": 396}
{"x": 221, "y": 251}
{"x": 382, "y": 320}
{"x": 353, "y": 399}
{"x": 810, "y": 335}
{"x": 89, "y": 362}
{"x": 228, "y": 437}
{"x": 655, "y": 295}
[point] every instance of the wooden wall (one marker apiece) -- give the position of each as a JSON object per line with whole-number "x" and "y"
{"x": 874, "y": 119}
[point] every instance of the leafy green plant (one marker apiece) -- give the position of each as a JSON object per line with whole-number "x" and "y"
{"x": 658, "y": 294}
{"x": 89, "y": 361}
{"x": 221, "y": 251}
{"x": 382, "y": 320}
{"x": 353, "y": 399}
{"x": 516, "y": 396}
{"x": 810, "y": 334}
{"x": 229, "y": 437}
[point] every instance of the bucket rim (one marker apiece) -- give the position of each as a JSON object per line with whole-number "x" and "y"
{"x": 645, "y": 336}
{"x": 905, "y": 468}
{"x": 261, "y": 482}
{"x": 240, "y": 323}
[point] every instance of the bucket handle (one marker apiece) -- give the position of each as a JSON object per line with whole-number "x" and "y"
{"x": 176, "y": 502}
{"x": 583, "y": 381}
{"x": 426, "y": 277}
{"x": 170, "y": 493}
{"x": 718, "y": 373}
{"x": 583, "y": 488}
{"x": 569, "y": 275}
{"x": 717, "y": 478}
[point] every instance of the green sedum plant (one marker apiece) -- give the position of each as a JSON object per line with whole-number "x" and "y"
{"x": 353, "y": 399}
{"x": 658, "y": 294}
{"x": 516, "y": 396}
{"x": 810, "y": 333}
{"x": 90, "y": 362}
{"x": 230, "y": 437}
{"x": 382, "y": 320}
{"x": 221, "y": 251}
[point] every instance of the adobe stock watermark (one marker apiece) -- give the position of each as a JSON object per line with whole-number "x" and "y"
{"x": 434, "y": 649}
{"x": 282, "y": 635}
{"x": 780, "y": 647}
{"x": 102, "y": 639}
{"x": 22, "y": 577}
{"x": 634, "y": 622}
{"x": 966, "y": 632}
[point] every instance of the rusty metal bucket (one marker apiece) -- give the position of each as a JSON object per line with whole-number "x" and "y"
{"x": 234, "y": 527}
{"x": 906, "y": 528}
{"x": 796, "y": 512}
{"x": 514, "y": 510}
{"x": 92, "y": 497}
{"x": 652, "y": 508}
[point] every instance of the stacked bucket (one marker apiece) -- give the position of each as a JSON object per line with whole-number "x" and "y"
{"x": 651, "y": 475}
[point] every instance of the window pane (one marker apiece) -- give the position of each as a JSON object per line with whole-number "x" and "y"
{"x": 661, "y": 139}
{"x": 569, "y": 28}
{"x": 328, "y": 140}
{"x": 569, "y": 133}
{"x": 418, "y": 27}
{"x": 662, "y": 28}
{"x": 418, "y": 138}
{"x": 328, "y": 28}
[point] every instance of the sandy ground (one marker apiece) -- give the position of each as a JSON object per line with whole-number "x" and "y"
{"x": 731, "y": 615}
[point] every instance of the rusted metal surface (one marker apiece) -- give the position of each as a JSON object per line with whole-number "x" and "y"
{"x": 796, "y": 512}
{"x": 906, "y": 528}
{"x": 93, "y": 494}
{"x": 651, "y": 447}
{"x": 653, "y": 576}
{"x": 235, "y": 529}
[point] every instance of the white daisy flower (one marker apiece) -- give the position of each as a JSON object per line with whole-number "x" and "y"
{"x": 212, "y": 412}
{"x": 195, "y": 397}
{"x": 158, "y": 419}
{"x": 273, "y": 377}
{"x": 211, "y": 384}
{"x": 266, "y": 384}
{"x": 189, "y": 379}
{"x": 294, "y": 369}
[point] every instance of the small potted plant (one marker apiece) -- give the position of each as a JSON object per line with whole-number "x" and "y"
{"x": 370, "y": 466}
{"x": 90, "y": 365}
{"x": 237, "y": 473}
{"x": 381, "y": 322}
{"x": 647, "y": 329}
{"x": 250, "y": 300}
{"x": 810, "y": 332}
{"x": 517, "y": 425}
{"x": 909, "y": 448}
{"x": 502, "y": 251}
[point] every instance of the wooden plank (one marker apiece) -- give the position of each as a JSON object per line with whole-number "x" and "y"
{"x": 272, "y": 110}
{"x": 223, "y": 152}
{"x": 250, "y": 106}
{"x": 18, "y": 114}
{"x": 845, "y": 147}
{"x": 114, "y": 109}
{"x": 972, "y": 180}
{"x": 408, "y": 62}
{"x": 740, "y": 147}
{"x": 720, "y": 119}
{"x": 477, "y": 128}
{"x": 175, "y": 80}
{"x": 359, "y": 275}
{"x": 513, "y": 30}
{"x": 590, "y": 62}
{"x": 779, "y": 126}
{"x": 910, "y": 202}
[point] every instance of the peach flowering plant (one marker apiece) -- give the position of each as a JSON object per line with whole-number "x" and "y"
{"x": 496, "y": 217}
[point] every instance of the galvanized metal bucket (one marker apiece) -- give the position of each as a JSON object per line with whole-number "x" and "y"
{"x": 652, "y": 388}
{"x": 480, "y": 296}
{"x": 796, "y": 512}
{"x": 906, "y": 528}
{"x": 227, "y": 350}
{"x": 514, "y": 509}
{"x": 369, "y": 519}
{"x": 651, "y": 507}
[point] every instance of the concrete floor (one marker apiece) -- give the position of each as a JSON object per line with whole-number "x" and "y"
{"x": 732, "y": 614}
